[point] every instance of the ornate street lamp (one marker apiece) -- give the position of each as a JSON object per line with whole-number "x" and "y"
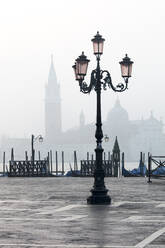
{"x": 33, "y": 139}
{"x": 100, "y": 79}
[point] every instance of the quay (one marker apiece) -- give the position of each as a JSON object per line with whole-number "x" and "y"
{"x": 52, "y": 212}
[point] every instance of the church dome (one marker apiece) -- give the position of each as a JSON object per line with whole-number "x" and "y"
{"x": 152, "y": 121}
{"x": 117, "y": 113}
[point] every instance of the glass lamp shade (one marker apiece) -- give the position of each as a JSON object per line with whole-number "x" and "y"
{"x": 106, "y": 138}
{"x": 98, "y": 43}
{"x": 126, "y": 67}
{"x": 77, "y": 77}
{"x": 40, "y": 138}
{"x": 82, "y": 65}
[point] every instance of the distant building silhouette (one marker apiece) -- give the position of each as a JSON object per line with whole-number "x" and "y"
{"x": 135, "y": 135}
{"x": 52, "y": 107}
{"x": 118, "y": 124}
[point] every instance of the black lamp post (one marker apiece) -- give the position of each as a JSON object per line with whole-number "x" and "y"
{"x": 33, "y": 138}
{"x": 100, "y": 79}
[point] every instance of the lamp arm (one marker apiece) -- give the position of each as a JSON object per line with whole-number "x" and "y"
{"x": 84, "y": 88}
{"x": 106, "y": 80}
{"x": 35, "y": 138}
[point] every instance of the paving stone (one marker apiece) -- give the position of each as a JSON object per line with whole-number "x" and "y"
{"x": 52, "y": 212}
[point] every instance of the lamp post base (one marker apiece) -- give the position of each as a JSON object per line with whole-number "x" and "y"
{"x": 99, "y": 197}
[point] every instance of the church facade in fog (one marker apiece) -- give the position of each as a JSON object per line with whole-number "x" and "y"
{"x": 144, "y": 135}
{"x": 134, "y": 136}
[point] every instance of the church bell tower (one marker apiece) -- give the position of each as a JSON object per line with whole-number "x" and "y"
{"x": 52, "y": 107}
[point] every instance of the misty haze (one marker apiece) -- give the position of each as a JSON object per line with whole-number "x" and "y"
{"x": 144, "y": 135}
{"x": 82, "y": 138}
{"x": 31, "y": 33}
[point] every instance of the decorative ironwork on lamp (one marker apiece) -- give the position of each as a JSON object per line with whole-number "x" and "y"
{"x": 100, "y": 79}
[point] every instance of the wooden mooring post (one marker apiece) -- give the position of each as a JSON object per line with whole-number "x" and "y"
{"x": 12, "y": 154}
{"x": 56, "y": 163}
{"x": 75, "y": 161}
{"x": 122, "y": 164}
{"x": 26, "y": 156}
{"x": 63, "y": 163}
{"x": 51, "y": 162}
{"x": 149, "y": 168}
{"x": 109, "y": 156}
{"x": 4, "y": 164}
{"x": 39, "y": 156}
{"x": 48, "y": 159}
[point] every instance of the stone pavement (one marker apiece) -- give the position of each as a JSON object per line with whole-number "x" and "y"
{"x": 52, "y": 212}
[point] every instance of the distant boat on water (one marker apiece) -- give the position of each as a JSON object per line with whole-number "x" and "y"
{"x": 73, "y": 173}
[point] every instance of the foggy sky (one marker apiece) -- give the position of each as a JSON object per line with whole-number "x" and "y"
{"x": 32, "y": 30}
